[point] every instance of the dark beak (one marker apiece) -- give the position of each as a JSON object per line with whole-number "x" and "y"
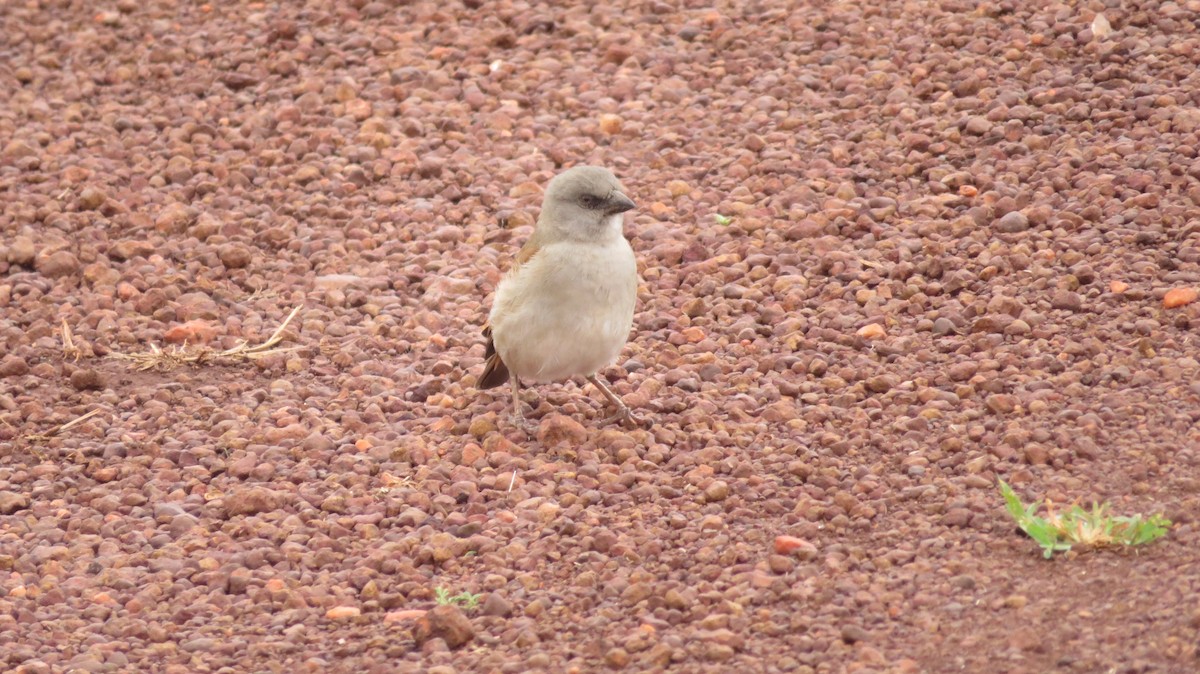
{"x": 618, "y": 203}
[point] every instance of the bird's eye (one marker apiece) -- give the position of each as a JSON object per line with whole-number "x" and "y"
{"x": 590, "y": 201}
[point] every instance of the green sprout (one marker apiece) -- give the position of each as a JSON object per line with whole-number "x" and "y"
{"x": 722, "y": 219}
{"x": 467, "y": 600}
{"x": 1058, "y": 532}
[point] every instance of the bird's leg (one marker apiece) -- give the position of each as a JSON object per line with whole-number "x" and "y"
{"x": 624, "y": 414}
{"x": 518, "y": 417}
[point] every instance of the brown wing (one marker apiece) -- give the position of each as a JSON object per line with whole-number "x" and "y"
{"x": 495, "y": 372}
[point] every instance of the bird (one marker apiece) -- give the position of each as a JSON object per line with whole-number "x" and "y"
{"x": 565, "y": 308}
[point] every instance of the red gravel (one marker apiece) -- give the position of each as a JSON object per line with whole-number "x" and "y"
{"x": 952, "y": 230}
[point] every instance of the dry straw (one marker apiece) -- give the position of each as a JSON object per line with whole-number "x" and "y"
{"x": 173, "y": 357}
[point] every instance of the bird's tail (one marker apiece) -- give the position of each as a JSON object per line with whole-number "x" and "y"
{"x": 495, "y": 372}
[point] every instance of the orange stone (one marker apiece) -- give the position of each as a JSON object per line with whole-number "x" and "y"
{"x": 785, "y": 545}
{"x": 1177, "y": 297}
{"x": 1118, "y": 287}
{"x": 872, "y": 331}
{"x": 342, "y": 612}
{"x": 401, "y": 616}
{"x": 192, "y": 332}
{"x": 610, "y": 124}
{"x": 472, "y": 453}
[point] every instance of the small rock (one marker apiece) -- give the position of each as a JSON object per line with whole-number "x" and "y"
{"x": 196, "y": 305}
{"x": 678, "y": 188}
{"x": 1017, "y": 327}
{"x": 11, "y": 502}
{"x": 401, "y": 616}
{"x": 676, "y": 600}
{"x": 234, "y": 256}
{"x": 250, "y": 501}
{"x": 173, "y": 219}
{"x": 963, "y": 582}
{"x": 446, "y": 623}
{"x": 1011, "y": 223}
{"x": 496, "y": 605}
{"x": 558, "y": 428}
{"x": 1066, "y": 300}
{"x": 798, "y": 547}
{"x": 412, "y": 517}
{"x": 440, "y": 289}
{"x": 1037, "y": 455}
{"x": 1178, "y": 297}
{"x": 57, "y": 264}
{"x": 943, "y": 326}
{"x": 85, "y": 379}
{"x": 1015, "y": 601}
{"x": 723, "y": 636}
{"x": 306, "y": 174}
{"x": 610, "y": 124}
{"x": 882, "y": 383}
{"x": 957, "y": 517}
{"x": 22, "y": 251}
{"x": 616, "y": 658}
{"x": 18, "y": 149}
{"x": 1001, "y": 403}
{"x": 13, "y": 366}
{"x": 129, "y": 249}
{"x": 962, "y": 371}
{"x": 206, "y": 226}
{"x": 636, "y": 592}
{"x": 200, "y": 645}
{"x": 473, "y": 453}
{"x": 343, "y": 612}
{"x": 192, "y": 332}
{"x": 872, "y": 331}
{"x": 853, "y": 634}
{"x": 92, "y": 198}
{"x": 780, "y": 564}
{"x": 617, "y": 54}
{"x": 336, "y": 281}
{"x": 977, "y": 126}
{"x": 718, "y": 652}
{"x": 238, "y": 81}
{"x": 716, "y": 491}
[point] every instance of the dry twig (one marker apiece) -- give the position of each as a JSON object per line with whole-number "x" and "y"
{"x": 70, "y": 350}
{"x": 169, "y": 359}
{"x": 41, "y": 437}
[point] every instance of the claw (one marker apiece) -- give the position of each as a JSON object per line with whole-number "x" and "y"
{"x": 627, "y": 418}
{"x": 518, "y": 421}
{"x": 625, "y": 415}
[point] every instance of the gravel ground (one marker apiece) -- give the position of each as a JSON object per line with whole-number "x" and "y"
{"x": 958, "y": 241}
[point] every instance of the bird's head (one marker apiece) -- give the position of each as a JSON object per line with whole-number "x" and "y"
{"x": 585, "y": 202}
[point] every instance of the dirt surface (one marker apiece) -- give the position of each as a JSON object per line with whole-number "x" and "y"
{"x": 946, "y": 238}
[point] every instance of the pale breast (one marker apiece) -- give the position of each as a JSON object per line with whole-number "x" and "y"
{"x": 568, "y": 311}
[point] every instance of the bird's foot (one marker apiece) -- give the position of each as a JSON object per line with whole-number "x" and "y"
{"x": 518, "y": 421}
{"x": 627, "y": 417}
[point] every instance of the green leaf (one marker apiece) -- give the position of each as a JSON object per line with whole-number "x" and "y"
{"x": 1095, "y": 527}
{"x": 1013, "y": 503}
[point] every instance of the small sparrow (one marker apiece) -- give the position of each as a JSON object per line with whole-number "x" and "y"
{"x": 566, "y": 306}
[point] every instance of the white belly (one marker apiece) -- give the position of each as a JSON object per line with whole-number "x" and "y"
{"x": 567, "y": 311}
